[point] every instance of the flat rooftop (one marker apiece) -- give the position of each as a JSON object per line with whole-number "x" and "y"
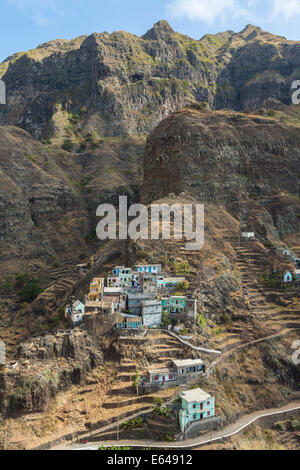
{"x": 99, "y": 304}
{"x": 151, "y": 302}
{"x": 197, "y": 395}
{"x": 161, "y": 371}
{"x": 113, "y": 290}
{"x": 140, "y": 296}
{"x": 188, "y": 362}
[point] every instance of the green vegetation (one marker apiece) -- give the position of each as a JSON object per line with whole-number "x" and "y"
{"x": 67, "y": 145}
{"x": 182, "y": 268}
{"x": 137, "y": 381}
{"x": 183, "y": 286}
{"x": 159, "y": 410}
{"x": 201, "y": 321}
{"x": 133, "y": 423}
{"x": 29, "y": 288}
{"x": 114, "y": 448}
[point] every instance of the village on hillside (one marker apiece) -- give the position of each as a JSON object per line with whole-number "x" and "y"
{"x": 143, "y": 298}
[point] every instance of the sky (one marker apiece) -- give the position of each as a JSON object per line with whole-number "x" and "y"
{"x": 27, "y": 23}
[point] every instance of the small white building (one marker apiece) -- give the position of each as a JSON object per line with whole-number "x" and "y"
{"x": 248, "y": 235}
{"x": 152, "y": 313}
{"x": 75, "y": 313}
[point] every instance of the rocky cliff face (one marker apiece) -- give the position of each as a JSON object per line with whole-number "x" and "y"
{"x": 123, "y": 84}
{"x": 47, "y": 366}
{"x": 247, "y": 162}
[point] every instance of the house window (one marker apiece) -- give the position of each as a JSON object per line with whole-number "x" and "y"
{"x": 195, "y": 417}
{"x": 201, "y": 406}
{"x": 208, "y": 413}
{"x": 156, "y": 378}
{"x": 194, "y": 406}
{"x": 208, "y": 403}
{"x": 171, "y": 377}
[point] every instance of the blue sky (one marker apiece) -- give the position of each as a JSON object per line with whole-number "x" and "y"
{"x": 28, "y": 23}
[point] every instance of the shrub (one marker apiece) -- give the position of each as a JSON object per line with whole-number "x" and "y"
{"x": 67, "y": 145}
{"x": 29, "y": 288}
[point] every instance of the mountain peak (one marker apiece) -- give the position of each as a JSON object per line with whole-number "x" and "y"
{"x": 160, "y": 30}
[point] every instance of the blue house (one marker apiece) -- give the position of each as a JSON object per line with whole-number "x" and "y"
{"x": 129, "y": 322}
{"x": 197, "y": 405}
{"x": 148, "y": 268}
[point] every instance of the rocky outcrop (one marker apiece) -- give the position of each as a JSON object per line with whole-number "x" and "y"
{"x": 45, "y": 367}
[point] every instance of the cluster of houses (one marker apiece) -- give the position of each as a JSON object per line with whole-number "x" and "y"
{"x": 139, "y": 296}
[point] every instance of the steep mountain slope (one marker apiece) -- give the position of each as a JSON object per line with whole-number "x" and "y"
{"x": 247, "y": 162}
{"x": 124, "y": 84}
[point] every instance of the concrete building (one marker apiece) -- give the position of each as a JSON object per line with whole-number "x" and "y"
{"x": 96, "y": 289}
{"x": 121, "y": 270}
{"x": 148, "y": 268}
{"x": 162, "y": 376}
{"x": 180, "y": 307}
{"x": 191, "y": 308}
{"x": 123, "y": 280}
{"x": 75, "y": 313}
{"x": 181, "y": 372}
{"x": 248, "y": 235}
{"x": 135, "y": 300}
{"x": 148, "y": 282}
{"x": 174, "y": 304}
{"x": 106, "y": 308}
{"x": 152, "y": 313}
{"x": 196, "y": 406}
{"x": 129, "y": 322}
{"x": 164, "y": 282}
{"x": 188, "y": 367}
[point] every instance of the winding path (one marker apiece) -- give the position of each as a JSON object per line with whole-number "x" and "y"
{"x": 216, "y": 436}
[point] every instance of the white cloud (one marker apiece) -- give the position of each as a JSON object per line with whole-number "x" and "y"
{"x": 40, "y": 11}
{"x": 210, "y": 10}
{"x": 286, "y": 9}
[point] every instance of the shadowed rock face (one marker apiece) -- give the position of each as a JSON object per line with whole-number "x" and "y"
{"x": 124, "y": 84}
{"x": 228, "y": 158}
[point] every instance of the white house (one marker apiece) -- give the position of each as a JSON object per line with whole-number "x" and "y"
{"x": 76, "y": 312}
{"x": 248, "y": 235}
{"x": 152, "y": 313}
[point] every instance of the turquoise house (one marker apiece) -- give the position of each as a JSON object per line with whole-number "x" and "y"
{"x": 174, "y": 304}
{"x": 288, "y": 277}
{"x": 130, "y": 322}
{"x": 197, "y": 405}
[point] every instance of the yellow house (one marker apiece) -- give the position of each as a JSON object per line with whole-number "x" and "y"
{"x": 96, "y": 289}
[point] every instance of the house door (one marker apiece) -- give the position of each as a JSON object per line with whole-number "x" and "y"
{"x": 201, "y": 416}
{"x": 164, "y": 378}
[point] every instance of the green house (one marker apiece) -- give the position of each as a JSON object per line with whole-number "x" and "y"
{"x": 197, "y": 406}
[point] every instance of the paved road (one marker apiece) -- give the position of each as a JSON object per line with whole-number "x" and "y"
{"x": 225, "y": 433}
